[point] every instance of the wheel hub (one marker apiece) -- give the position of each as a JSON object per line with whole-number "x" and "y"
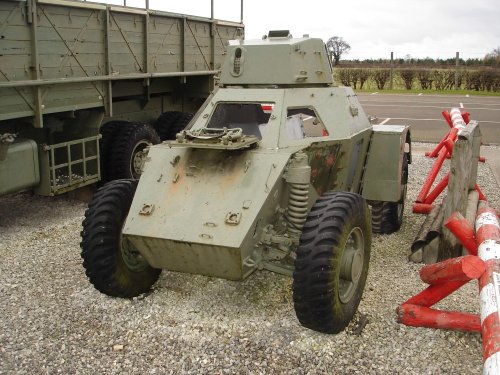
{"x": 351, "y": 265}
{"x": 138, "y": 158}
{"x": 131, "y": 257}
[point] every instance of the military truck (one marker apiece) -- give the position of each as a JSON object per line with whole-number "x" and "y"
{"x": 85, "y": 87}
{"x": 274, "y": 172}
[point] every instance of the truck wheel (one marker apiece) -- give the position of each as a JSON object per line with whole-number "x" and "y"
{"x": 332, "y": 262}
{"x": 170, "y": 123}
{"x": 128, "y": 151}
{"x": 108, "y": 132}
{"x": 180, "y": 124}
{"x": 111, "y": 263}
{"x": 387, "y": 217}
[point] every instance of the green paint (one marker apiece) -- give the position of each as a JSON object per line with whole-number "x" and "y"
{"x": 218, "y": 200}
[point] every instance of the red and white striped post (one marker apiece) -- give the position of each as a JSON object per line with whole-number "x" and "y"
{"x": 488, "y": 241}
{"x": 425, "y": 199}
{"x": 455, "y": 120}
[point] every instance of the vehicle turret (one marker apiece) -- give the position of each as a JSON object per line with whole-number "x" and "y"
{"x": 277, "y": 59}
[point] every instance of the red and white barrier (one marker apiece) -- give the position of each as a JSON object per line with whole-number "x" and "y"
{"x": 488, "y": 241}
{"x": 442, "y": 151}
{"x": 425, "y": 199}
{"x": 446, "y": 277}
{"x": 483, "y": 262}
{"x": 457, "y": 119}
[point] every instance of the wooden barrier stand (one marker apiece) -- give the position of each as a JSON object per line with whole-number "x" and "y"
{"x": 463, "y": 143}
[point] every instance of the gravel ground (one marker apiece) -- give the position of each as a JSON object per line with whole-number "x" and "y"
{"x": 53, "y": 321}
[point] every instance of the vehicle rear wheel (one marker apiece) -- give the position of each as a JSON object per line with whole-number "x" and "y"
{"x": 387, "y": 217}
{"x": 170, "y": 123}
{"x": 108, "y": 132}
{"x": 111, "y": 263}
{"x": 129, "y": 150}
{"x": 332, "y": 262}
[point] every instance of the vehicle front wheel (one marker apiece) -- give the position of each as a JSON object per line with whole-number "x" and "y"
{"x": 332, "y": 262}
{"x": 111, "y": 263}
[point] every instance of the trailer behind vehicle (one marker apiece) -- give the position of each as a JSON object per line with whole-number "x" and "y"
{"x": 85, "y": 88}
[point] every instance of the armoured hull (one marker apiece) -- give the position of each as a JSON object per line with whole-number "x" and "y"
{"x": 202, "y": 211}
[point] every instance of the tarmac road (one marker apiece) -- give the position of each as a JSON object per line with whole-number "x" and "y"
{"x": 423, "y": 113}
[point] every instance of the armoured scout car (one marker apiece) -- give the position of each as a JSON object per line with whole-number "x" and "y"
{"x": 274, "y": 172}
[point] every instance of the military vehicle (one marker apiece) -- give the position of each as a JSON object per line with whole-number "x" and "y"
{"x": 83, "y": 87}
{"x": 273, "y": 172}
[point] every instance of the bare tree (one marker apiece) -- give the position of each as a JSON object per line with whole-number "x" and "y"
{"x": 380, "y": 76}
{"x": 336, "y": 47}
{"x": 407, "y": 75}
{"x": 493, "y": 55}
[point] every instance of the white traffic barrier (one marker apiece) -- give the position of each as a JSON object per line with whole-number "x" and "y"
{"x": 488, "y": 242}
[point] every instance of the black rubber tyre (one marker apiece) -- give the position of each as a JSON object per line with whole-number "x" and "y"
{"x": 164, "y": 123}
{"x": 108, "y": 132}
{"x": 127, "y": 155}
{"x": 180, "y": 124}
{"x": 112, "y": 265}
{"x": 332, "y": 262}
{"x": 170, "y": 123}
{"x": 387, "y": 217}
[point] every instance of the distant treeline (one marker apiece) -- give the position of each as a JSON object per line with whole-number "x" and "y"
{"x": 493, "y": 62}
{"x": 423, "y": 78}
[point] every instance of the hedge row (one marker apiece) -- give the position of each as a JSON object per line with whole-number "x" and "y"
{"x": 425, "y": 79}
{"x": 492, "y": 62}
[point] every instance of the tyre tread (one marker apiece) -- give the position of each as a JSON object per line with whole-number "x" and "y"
{"x": 312, "y": 279}
{"x": 170, "y": 123}
{"x": 125, "y": 141}
{"x": 100, "y": 240}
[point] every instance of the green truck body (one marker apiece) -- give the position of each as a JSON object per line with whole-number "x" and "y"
{"x": 68, "y": 67}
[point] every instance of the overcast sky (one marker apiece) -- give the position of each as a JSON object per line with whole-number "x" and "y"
{"x": 424, "y": 28}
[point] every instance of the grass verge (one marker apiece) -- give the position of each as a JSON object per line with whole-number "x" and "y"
{"x": 431, "y": 92}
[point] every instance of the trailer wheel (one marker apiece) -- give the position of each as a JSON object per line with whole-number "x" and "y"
{"x": 108, "y": 132}
{"x": 387, "y": 217}
{"x": 332, "y": 262}
{"x": 111, "y": 263}
{"x": 129, "y": 150}
{"x": 170, "y": 123}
